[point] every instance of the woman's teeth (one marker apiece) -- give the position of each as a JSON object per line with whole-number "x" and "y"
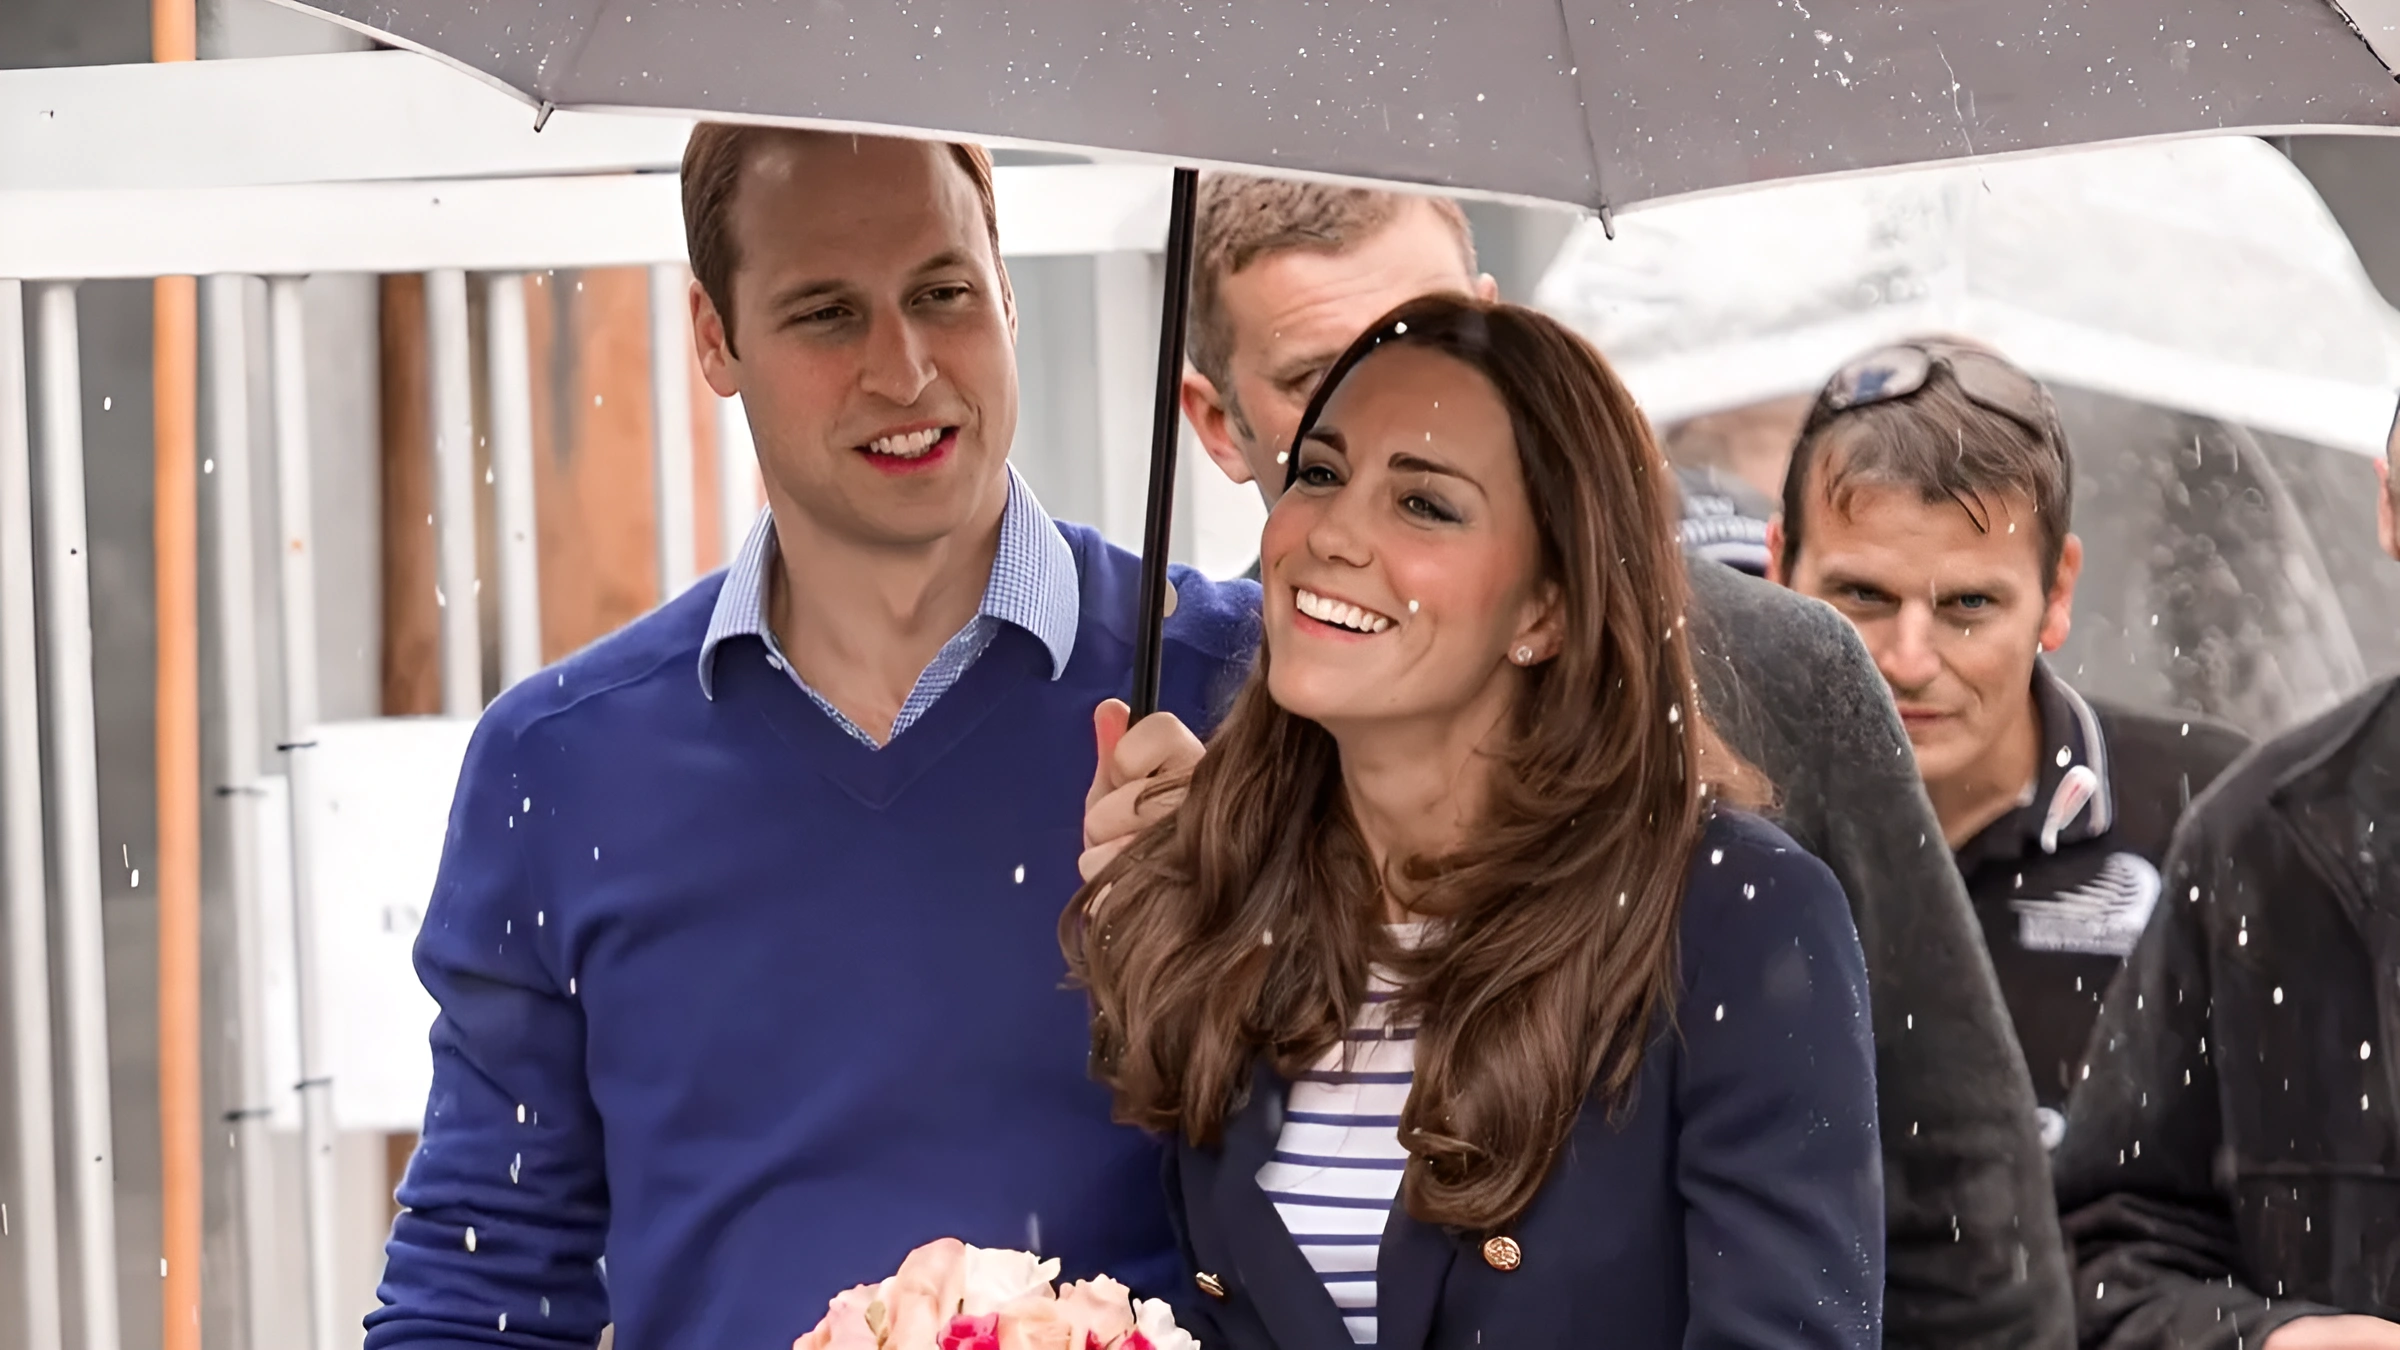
{"x": 1340, "y": 614}
{"x": 907, "y": 445}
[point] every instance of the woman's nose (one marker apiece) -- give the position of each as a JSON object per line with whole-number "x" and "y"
{"x": 1338, "y": 534}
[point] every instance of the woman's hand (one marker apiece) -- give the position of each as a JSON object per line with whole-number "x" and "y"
{"x": 1130, "y": 760}
{"x": 2335, "y": 1333}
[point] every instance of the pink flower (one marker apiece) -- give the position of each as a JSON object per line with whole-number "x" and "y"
{"x": 1100, "y": 1310}
{"x": 1032, "y": 1321}
{"x": 972, "y": 1333}
{"x": 921, "y": 1299}
{"x": 1134, "y": 1340}
{"x": 845, "y": 1324}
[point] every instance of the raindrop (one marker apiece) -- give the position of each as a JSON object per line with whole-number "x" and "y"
{"x": 2365, "y": 1051}
{"x": 2279, "y": 994}
{"x": 471, "y": 1231}
{"x": 208, "y": 466}
{"x": 570, "y": 984}
{"x": 515, "y": 1166}
{"x": 596, "y": 402}
{"x": 1402, "y": 325}
{"x": 2064, "y": 756}
{"x": 520, "y": 1121}
{"x": 137, "y": 878}
{"x": 1716, "y": 856}
{"x": 107, "y": 403}
{"x": 1412, "y": 606}
{"x": 1020, "y": 874}
{"x": 1749, "y": 892}
{"x": 1674, "y": 714}
{"x": 540, "y": 917}
{"x": 1720, "y": 1012}
{"x": 1912, "y": 1022}
{"x": 504, "y": 1316}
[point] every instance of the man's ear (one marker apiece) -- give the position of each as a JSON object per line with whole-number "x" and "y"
{"x": 2058, "y": 613}
{"x": 718, "y": 363}
{"x": 1775, "y": 550}
{"x": 1008, "y": 297}
{"x": 1212, "y": 422}
{"x": 1487, "y": 287}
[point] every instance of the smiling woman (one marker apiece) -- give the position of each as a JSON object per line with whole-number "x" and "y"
{"x": 1399, "y": 963}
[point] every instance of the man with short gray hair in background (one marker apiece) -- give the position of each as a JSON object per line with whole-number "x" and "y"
{"x": 1285, "y": 275}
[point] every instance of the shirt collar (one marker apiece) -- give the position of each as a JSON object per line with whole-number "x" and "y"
{"x": 2069, "y": 801}
{"x": 1034, "y": 585}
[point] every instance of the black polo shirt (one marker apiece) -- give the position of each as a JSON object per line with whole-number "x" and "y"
{"x": 2064, "y": 883}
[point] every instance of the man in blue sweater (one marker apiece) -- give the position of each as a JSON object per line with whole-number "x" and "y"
{"x": 745, "y": 932}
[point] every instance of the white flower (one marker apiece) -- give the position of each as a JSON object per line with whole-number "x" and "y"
{"x": 995, "y": 1278}
{"x": 1156, "y": 1321}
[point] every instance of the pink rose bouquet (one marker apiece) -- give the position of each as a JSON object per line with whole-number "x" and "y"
{"x": 950, "y": 1296}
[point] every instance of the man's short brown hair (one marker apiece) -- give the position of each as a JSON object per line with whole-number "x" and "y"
{"x": 1947, "y": 448}
{"x": 712, "y": 170}
{"x": 1239, "y": 219}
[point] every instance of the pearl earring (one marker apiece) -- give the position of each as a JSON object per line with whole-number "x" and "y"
{"x": 1524, "y": 656}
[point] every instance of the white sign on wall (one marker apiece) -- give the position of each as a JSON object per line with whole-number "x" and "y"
{"x": 379, "y": 808}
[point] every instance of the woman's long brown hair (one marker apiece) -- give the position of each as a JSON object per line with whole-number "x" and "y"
{"x": 1245, "y": 922}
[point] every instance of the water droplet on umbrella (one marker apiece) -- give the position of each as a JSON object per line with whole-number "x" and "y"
{"x": 471, "y": 1231}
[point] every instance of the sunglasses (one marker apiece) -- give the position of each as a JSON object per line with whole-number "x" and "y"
{"x": 1890, "y": 374}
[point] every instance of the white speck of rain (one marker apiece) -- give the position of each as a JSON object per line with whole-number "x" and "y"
{"x": 1020, "y": 874}
{"x": 2365, "y": 1050}
{"x": 504, "y": 1316}
{"x": 595, "y": 853}
{"x": 208, "y": 466}
{"x": 1716, "y": 856}
{"x": 470, "y": 1239}
{"x": 1674, "y": 714}
{"x": 2279, "y": 994}
{"x": 1912, "y": 1022}
{"x": 107, "y": 403}
{"x": 1749, "y": 892}
{"x": 540, "y": 917}
{"x": 1720, "y": 1012}
{"x": 2064, "y": 756}
{"x": 520, "y": 1121}
{"x": 162, "y": 1267}
{"x": 528, "y": 804}
{"x": 570, "y": 985}
{"x": 1412, "y": 606}
{"x": 516, "y": 1165}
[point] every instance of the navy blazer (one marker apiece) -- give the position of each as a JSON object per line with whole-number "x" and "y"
{"x": 1736, "y": 1201}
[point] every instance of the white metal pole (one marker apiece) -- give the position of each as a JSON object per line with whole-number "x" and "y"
{"x": 508, "y": 380}
{"x": 671, "y": 424}
{"x": 296, "y": 547}
{"x": 66, "y": 627}
{"x": 227, "y": 470}
{"x": 737, "y": 476}
{"x": 35, "y": 1203}
{"x": 453, "y": 415}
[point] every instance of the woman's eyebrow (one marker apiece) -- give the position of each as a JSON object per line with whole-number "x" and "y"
{"x": 1411, "y": 462}
{"x": 1329, "y": 437}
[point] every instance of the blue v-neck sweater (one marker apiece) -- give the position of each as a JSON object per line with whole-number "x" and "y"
{"x": 751, "y": 1009}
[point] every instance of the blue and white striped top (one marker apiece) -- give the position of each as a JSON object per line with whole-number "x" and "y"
{"x": 1337, "y": 1163}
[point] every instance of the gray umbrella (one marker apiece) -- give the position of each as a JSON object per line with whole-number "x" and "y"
{"x": 1598, "y": 103}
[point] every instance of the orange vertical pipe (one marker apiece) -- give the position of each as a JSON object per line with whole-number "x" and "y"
{"x": 175, "y": 534}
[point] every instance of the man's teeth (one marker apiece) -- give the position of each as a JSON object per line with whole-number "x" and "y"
{"x": 1341, "y": 615}
{"x": 908, "y": 445}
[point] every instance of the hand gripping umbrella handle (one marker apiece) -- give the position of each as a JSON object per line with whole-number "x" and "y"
{"x": 1165, "y": 426}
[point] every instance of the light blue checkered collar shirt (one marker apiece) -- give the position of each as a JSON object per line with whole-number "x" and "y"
{"x": 1034, "y": 585}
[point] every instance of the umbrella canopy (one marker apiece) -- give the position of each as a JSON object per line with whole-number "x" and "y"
{"x": 2204, "y": 275}
{"x": 1598, "y": 103}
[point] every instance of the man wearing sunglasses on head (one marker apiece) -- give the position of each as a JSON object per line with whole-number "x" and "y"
{"x": 1928, "y": 501}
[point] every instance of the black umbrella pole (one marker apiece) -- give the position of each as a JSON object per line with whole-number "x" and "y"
{"x": 1165, "y": 432}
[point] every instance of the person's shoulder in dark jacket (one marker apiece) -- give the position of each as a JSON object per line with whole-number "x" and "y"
{"x": 2201, "y": 1173}
{"x": 2159, "y": 764}
{"x": 1972, "y": 1249}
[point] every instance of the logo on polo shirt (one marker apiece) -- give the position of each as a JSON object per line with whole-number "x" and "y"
{"x": 2101, "y": 917}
